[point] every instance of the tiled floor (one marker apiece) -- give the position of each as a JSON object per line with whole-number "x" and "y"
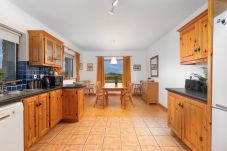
{"x": 143, "y": 128}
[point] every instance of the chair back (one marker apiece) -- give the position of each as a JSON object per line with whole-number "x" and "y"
{"x": 86, "y": 82}
{"x": 98, "y": 87}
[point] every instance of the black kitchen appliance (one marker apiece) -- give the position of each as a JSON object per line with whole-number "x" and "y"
{"x": 52, "y": 81}
{"x": 192, "y": 85}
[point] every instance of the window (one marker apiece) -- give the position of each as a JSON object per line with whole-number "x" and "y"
{"x": 8, "y": 60}
{"x": 113, "y": 71}
{"x": 68, "y": 66}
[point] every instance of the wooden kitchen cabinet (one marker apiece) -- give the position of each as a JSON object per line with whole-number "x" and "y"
{"x": 55, "y": 107}
{"x": 44, "y": 49}
{"x": 149, "y": 92}
{"x": 30, "y": 121}
{"x": 187, "y": 119}
{"x": 194, "y": 40}
{"x": 36, "y": 118}
{"x": 174, "y": 114}
{"x": 73, "y": 104}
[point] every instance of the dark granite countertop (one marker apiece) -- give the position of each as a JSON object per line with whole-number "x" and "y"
{"x": 74, "y": 86}
{"x": 190, "y": 93}
{"x": 10, "y": 98}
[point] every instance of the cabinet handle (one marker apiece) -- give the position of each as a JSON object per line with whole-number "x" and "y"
{"x": 199, "y": 49}
{"x": 179, "y": 104}
{"x": 201, "y": 139}
{"x": 196, "y": 49}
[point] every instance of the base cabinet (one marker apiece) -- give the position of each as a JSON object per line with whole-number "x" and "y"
{"x": 55, "y": 107}
{"x": 149, "y": 91}
{"x": 36, "y": 118}
{"x": 187, "y": 119}
{"x": 73, "y": 104}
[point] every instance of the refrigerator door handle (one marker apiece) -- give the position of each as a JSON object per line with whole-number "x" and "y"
{"x": 220, "y": 107}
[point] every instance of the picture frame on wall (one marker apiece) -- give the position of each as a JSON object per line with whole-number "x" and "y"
{"x": 136, "y": 67}
{"x": 81, "y": 66}
{"x": 154, "y": 66}
{"x": 89, "y": 66}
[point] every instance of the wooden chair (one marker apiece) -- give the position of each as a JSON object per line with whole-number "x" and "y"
{"x": 127, "y": 95}
{"x": 100, "y": 95}
{"x": 89, "y": 87}
{"x": 137, "y": 89}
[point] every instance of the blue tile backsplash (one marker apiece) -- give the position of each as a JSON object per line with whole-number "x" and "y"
{"x": 26, "y": 73}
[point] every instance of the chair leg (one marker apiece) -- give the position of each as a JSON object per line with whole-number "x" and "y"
{"x": 130, "y": 98}
{"x": 96, "y": 100}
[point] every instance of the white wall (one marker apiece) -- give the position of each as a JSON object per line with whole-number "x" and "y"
{"x": 171, "y": 73}
{"x": 17, "y": 19}
{"x": 138, "y": 57}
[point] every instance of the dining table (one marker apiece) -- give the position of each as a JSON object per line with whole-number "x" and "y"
{"x": 109, "y": 87}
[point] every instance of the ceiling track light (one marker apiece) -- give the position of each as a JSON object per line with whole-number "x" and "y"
{"x": 115, "y": 2}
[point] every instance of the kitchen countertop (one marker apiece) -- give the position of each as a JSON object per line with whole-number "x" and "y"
{"x": 10, "y": 98}
{"x": 189, "y": 93}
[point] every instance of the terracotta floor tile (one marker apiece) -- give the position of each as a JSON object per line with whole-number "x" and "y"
{"x": 81, "y": 130}
{"x": 166, "y": 141}
{"x": 73, "y": 148}
{"x": 147, "y": 140}
{"x": 128, "y": 131}
{"x": 92, "y": 148}
{"x": 113, "y": 131}
{"x": 77, "y": 139}
{"x": 60, "y": 139}
{"x": 171, "y": 149}
{"x": 159, "y": 131}
{"x": 142, "y": 131}
{"x": 54, "y": 148}
{"x": 38, "y": 147}
{"x": 48, "y": 137}
{"x": 131, "y": 148}
{"x": 98, "y": 130}
{"x": 95, "y": 139}
{"x": 112, "y": 140}
{"x": 150, "y": 148}
{"x": 111, "y": 148}
{"x": 129, "y": 140}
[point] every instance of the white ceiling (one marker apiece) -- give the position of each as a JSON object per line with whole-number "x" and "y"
{"x": 86, "y": 23}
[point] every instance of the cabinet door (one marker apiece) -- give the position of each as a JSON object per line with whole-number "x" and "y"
{"x": 58, "y": 55}
{"x": 80, "y": 94}
{"x": 59, "y": 105}
{"x": 53, "y": 108}
{"x": 204, "y": 36}
{"x": 43, "y": 114}
{"x": 30, "y": 121}
{"x": 49, "y": 51}
{"x": 70, "y": 105}
{"x": 36, "y": 49}
{"x": 194, "y": 124}
{"x": 174, "y": 113}
{"x": 187, "y": 44}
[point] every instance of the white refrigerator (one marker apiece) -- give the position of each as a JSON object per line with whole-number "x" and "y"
{"x": 219, "y": 95}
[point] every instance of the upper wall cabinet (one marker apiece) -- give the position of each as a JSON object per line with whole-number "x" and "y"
{"x": 194, "y": 40}
{"x": 44, "y": 49}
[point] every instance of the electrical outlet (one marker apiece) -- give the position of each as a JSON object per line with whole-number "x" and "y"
{"x": 35, "y": 76}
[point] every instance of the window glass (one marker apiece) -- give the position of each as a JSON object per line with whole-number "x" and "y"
{"x": 113, "y": 71}
{"x": 7, "y": 60}
{"x": 68, "y": 66}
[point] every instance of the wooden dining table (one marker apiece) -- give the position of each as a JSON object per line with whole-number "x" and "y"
{"x": 109, "y": 87}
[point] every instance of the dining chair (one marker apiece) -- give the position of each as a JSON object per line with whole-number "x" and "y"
{"x": 127, "y": 95}
{"x": 89, "y": 87}
{"x": 137, "y": 89}
{"x": 100, "y": 95}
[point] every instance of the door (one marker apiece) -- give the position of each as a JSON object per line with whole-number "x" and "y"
{"x": 30, "y": 121}
{"x": 194, "y": 124}
{"x": 174, "y": 113}
{"x": 70, "y": 105}
{"x": 43, "y": 114}
{"x": 58, "y": 55}
{"x": 49, "y": 51}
